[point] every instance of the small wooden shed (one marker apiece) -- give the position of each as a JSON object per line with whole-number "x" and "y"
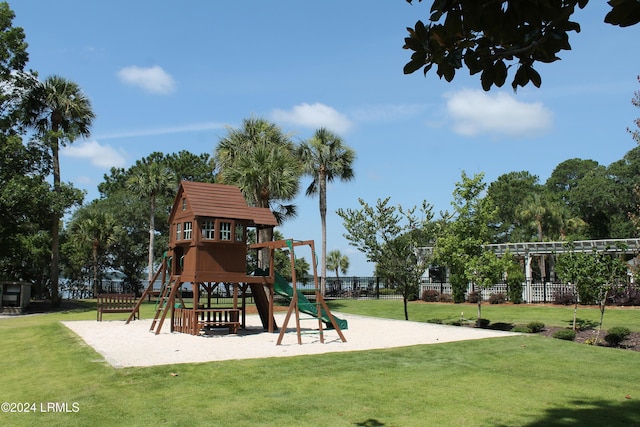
{"x": 14, "y": 296}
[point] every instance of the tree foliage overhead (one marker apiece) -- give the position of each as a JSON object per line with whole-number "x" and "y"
{"x": 490, "y": 37}
{"x": 12, "y": 43}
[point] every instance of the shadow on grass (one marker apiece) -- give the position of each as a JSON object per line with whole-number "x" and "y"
{"x": 592, "y": 413}
{"x": 582, "y": 323}
{"x": 334, "y": 304}
{"x": 66, "y": 306}
{"x": 370, "y": 423}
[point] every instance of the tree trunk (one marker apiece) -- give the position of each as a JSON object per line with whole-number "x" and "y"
{"x": 55, "y": 223}
{"x": 264, "y": 260}
{"x": 322, "y": 177}
{"x": 603, "y": 304}
{"x": 95, "y": 270}
{"x": 152, "y": 236}
{"x": 406, "y": 311}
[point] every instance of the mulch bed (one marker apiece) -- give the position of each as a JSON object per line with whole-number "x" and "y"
{"x": 631, "y": 343}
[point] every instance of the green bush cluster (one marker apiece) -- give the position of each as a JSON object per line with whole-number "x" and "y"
{"x": 565, "y": 334}
{"x": 514, "y": 292}
{"x": 616, "y": 335}
{"x": 535, "y": 327}
{"x": 529, "y": 328}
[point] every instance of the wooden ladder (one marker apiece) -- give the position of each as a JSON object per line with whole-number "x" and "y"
{"x": 162, "y": 270}
{"x": 165, "y": 303}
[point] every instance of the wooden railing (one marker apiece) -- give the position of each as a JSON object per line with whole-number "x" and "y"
{"x": 190, "y": 321}
{"x": 221, "y": 317}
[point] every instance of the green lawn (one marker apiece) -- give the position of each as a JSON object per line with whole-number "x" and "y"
{"x": 523, "y": 380}
{"x": 500, "y": 313}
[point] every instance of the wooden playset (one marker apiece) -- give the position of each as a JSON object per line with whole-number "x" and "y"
{"x": 208, "y": 250}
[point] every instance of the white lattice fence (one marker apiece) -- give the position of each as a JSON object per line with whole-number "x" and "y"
{"x": 531, "y": 293}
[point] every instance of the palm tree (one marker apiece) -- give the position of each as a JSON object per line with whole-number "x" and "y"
{"x": 96, "y": 227}
{"x": 152, "y": 179}
{"x": 337, "y": 262}
{"x": 324, "y": 158}
{"x": 59, "y": 112}
{"x": 541, "y": 213}
{"x": 259, "y": 159}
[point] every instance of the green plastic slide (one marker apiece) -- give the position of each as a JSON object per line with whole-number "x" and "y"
{"x": 282, "y": 287}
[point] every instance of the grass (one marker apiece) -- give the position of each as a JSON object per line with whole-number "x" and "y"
{"x": 498, "y": 313}
{"x": 523, "y": 380}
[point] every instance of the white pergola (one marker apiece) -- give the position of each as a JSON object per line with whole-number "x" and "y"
{"x": 543, "y": 248}
{"x": 530, "y": 250}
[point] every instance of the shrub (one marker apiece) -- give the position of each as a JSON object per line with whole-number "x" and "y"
{"x": 535, "y": 326}
{"x": 446, "y": 298}
{"x": 498, "y": 298}
{"x": 616, "y": 335}
{"x": 565, "y": 334}
{"x": 482, "y": 323}
{"x": 626, "y": 295}
{"x": 430, "y": 295}
{"x": 522, "y": 329}
{"x": 458, "y": 287}
{"x": 563, "y": 297}
{"x": 474, "y": 297}
{"x": 502, "y": 326}
{"x": 514, "y": 291}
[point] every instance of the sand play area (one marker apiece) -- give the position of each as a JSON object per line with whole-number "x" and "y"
{"x": 130, "y": 345}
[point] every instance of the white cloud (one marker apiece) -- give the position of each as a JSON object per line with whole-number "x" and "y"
{"x": 387, "y": 112}
{"x": 194, "y": 127}
{"x": 314, "y": 116}
{"x": 152, "y": 79}
{"x": 475, "y": 112}
{"x": 103, "y": 156}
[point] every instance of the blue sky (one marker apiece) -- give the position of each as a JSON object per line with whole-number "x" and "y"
{"x": 170, "y": 76}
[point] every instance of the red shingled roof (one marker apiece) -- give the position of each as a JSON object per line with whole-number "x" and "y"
{"x": 222, "y": 201}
